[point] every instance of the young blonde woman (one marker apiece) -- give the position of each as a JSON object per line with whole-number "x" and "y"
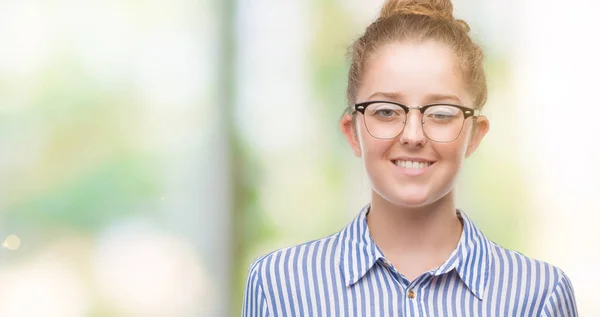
{"x": 416, "y": 86}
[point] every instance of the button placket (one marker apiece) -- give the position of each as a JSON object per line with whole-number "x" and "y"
{"x": 412, "y": 302}
{"x": 412, "y": 297}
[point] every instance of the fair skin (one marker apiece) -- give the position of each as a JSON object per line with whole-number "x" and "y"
{"x": 413, "y": 217}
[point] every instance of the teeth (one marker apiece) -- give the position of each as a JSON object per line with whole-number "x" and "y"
{"x": 410, "y": 164}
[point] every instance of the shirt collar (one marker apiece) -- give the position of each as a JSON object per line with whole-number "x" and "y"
{"x": 470, "y": 259}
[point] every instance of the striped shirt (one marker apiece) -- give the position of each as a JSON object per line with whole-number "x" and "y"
{"x": 346, "y": 274}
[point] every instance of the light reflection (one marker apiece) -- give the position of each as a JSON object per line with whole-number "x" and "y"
{"x": 143, "y": 272}
{"x": 12, "y": 243}
{"x": 42, "y": 287}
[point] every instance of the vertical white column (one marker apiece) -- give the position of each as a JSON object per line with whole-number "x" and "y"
{"x": 273, "y": 108}
{"x": 215, "y": 187}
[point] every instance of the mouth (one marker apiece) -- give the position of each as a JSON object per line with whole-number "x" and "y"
{"x": 412, "y": 164}
{"x": 412, "y": 168}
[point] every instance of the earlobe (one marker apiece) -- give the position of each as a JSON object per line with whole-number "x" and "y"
{"x": 482, "y": 126}
{"x": 346, "y": 125}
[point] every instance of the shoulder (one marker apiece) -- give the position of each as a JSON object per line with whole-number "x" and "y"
{"x": 514, "y": 264}
{"x": 308, "y": 257}
{"x": 538, "y": 283}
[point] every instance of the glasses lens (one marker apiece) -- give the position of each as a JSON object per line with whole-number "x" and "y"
{"x": 443, "y": 123}
{"x": 384, "y": 120}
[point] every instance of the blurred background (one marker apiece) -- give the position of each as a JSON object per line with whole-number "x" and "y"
{"x": 151, "y": 150}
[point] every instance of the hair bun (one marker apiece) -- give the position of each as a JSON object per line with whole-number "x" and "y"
{"x": 432, "y": 8}
{"x": 439, "y": 9}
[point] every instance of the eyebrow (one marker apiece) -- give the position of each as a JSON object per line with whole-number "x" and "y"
{"x": 431, "y": 98}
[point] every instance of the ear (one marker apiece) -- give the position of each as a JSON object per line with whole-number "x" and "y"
{"x": 349, "y": 130}
{"x": 482, "y": 125}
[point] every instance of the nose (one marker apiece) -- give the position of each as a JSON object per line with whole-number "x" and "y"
{"x": 413, "y": 134}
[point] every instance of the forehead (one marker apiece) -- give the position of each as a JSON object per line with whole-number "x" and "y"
{"x": 413, "y": 70}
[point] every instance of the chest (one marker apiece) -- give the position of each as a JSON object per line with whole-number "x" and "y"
{"x": 382, "y": 293}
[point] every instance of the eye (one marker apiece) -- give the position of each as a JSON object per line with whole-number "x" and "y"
{"x": 383, "y": 111}
{"x": 442, "y": 113}
{"x": 440, "y": 116}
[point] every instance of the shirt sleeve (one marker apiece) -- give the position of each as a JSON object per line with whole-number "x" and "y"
{"x": 254, "y": 304}
{"x": 561, "y": 303}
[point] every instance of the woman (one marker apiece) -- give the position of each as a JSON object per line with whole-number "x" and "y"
{"x": 416, "y": 85}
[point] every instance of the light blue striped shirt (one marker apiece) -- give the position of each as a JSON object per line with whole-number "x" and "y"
{"x": 346, "y": 274}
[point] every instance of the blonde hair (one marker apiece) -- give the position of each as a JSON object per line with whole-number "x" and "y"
{"x": 420, "y": 20}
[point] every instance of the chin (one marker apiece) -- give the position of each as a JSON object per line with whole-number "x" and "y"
{"x": 408, "y": 199}
{"x": 411, "y": 202}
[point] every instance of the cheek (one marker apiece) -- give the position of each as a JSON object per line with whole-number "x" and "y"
{"x": 373, "y": 149}
{"x": 453, "y": 152}
{"x": 370, "y": 147}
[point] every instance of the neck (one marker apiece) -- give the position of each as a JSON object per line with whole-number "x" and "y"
{"x": 431, "y": 231}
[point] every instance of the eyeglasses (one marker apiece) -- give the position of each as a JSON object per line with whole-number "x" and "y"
{"x": 441, "y": 122}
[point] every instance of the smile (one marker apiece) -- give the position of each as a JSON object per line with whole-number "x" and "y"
{"x": 412, "y": 164}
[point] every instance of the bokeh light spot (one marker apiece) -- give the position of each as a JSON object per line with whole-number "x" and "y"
{"x": 12, "y": 243}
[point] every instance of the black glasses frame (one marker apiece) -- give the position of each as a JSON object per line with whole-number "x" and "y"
{"x": 467, "y": 112}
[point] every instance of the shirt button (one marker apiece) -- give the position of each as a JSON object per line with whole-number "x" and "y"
{"x": 411, "y": 294}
